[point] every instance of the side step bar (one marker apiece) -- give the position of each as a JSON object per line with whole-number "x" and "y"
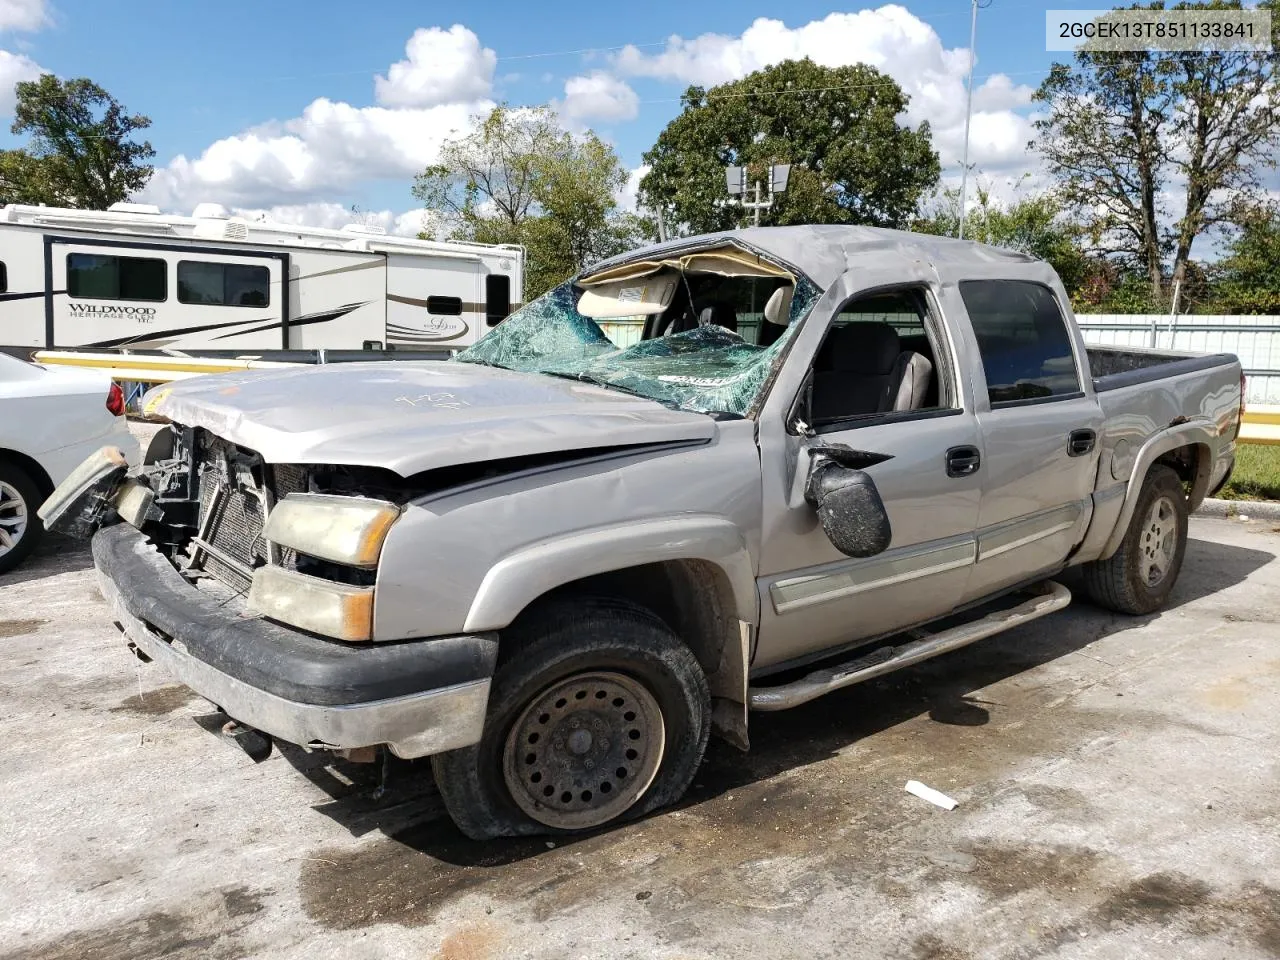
{"x": 1051, "y": 596}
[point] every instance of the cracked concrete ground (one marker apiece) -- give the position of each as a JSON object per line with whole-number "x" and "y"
{"x": 1117, "y": 780}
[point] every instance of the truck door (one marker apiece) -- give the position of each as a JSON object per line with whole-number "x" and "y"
{"x": 1040, "y": 425}
{"x": 151, "y": 296}
{"x": 873, "y": 369}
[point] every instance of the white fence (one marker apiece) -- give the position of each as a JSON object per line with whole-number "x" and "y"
{"x": 1254, "y": 339}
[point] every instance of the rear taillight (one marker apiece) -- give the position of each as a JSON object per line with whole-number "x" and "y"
{"x": 115, "y": 400}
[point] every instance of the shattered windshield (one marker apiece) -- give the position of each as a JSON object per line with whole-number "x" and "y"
{"x": 708, "y": 368}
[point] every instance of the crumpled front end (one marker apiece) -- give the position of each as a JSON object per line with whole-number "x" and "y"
{"x": 253, "y": 585}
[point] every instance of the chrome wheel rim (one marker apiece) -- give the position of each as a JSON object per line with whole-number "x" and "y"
{"x": 1158, "y": 542}
{"x": 13, "y": 518}
{"x": 584, "y": 751}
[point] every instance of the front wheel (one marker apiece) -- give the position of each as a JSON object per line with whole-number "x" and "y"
{"x": 597, "y": 714}
{"x": 20, "y": 528}
{"x": 1140, "y": 575}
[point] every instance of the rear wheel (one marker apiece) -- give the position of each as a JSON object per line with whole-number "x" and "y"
{"x": 597, "y": 714}
{"x": 20, "y": 528}
{"x": 1140, "y": 575}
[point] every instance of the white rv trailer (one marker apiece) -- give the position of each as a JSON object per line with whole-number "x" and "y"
{"x": 134, "y": 278}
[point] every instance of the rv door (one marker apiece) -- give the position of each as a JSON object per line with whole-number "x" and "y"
{"x": 149, "y": 296}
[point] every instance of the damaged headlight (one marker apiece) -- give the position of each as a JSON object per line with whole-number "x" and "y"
{"x": 321, "y": 606}
{"x": 347, "y": 530}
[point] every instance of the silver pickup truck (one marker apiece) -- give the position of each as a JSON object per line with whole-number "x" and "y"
{"x": 556, "y": 563}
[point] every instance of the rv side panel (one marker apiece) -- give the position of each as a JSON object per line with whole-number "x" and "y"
{"x": 22, "y": 306}
{"x": 338, "y": 299}
{"x": 434, "y": 300}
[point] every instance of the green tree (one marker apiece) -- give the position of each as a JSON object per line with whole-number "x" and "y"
{"x": 1248, "y": 277}
{"x": 851, "y": 160}
{"x": 81, "y": 152}
{"x": 28, "y": 179}
{"x": 519, "y": 177}
{"x": 1032, "y": 224}
{"x": 1152, "y": 149}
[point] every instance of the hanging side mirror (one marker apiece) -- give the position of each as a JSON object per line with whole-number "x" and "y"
{"x": 848, "y": 504}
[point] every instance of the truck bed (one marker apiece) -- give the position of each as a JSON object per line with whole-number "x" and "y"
{"x": 1116, "y": 367}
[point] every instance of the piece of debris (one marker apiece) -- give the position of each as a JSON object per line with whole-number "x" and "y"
{"x": 918, "y": 789}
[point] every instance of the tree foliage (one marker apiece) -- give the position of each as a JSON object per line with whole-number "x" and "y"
{"x": 519, "y": 177}
{"x": 1248, "y": 277}
{"x": 1152, "y": 149}
{"x": 1032, "y": 224}
{"x": 851, "y": 160}
{"x": 81, "y": 151}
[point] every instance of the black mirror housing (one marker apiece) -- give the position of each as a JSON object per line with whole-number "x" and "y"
{"x": 849, "y": 506}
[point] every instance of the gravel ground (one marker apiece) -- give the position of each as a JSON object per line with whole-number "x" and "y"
{"x": 1117, "y": 781}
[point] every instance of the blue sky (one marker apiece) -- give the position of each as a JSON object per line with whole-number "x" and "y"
{"x": 277, "y": 106}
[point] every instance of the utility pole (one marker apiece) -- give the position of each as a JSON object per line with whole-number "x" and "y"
{"x": 968, "y": 114}
{"x": 735, "y": 179}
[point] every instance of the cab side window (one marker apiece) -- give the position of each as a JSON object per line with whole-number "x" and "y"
{"x": 1022, "y": 339}
{"x": 881, "y": 356}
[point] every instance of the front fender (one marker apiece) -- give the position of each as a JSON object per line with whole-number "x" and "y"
{"x": 522, "y": 577}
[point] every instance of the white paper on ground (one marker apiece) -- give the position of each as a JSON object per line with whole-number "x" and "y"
{"x": 928, "y": 793}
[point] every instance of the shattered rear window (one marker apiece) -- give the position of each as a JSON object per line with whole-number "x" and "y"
{"x": 708, "y": 369}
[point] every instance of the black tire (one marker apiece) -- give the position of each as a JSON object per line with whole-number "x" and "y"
{"x": 1117, "y": 583}
{"x": 555, "y": 644}
{"x": 18, "y": 480}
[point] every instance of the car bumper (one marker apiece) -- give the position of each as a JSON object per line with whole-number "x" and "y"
{"x": 418, "y": 697}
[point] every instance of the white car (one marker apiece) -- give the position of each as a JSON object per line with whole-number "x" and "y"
{"x": 50, "y": 420}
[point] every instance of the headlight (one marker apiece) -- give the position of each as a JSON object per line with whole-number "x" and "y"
{"x": 346, "y": 530}
{"x": 321, "y": 606}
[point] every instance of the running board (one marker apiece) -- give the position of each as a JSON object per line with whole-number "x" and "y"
{"x": 1051, "y": 596}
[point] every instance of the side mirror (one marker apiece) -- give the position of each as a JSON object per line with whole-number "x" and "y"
{"x": 849, "y": 506}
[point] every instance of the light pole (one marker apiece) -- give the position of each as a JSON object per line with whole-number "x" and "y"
{"x": 968, "y": 113}
{"x": 736, "y": 180}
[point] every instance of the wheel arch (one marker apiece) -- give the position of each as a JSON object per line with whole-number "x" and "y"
{"x": 31, "y": 467}
{"x": 696, "y": 574}
{"x": 1188, "y": 449}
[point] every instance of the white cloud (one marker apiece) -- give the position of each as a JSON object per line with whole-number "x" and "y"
{"x": 14, "y": 67}
{"x": 23, "y": 14}
{"x": 423, "y": 101}
{"x": 330, "y": 147}
{"x": 890, "y": 38}
{"x": 628, "y": 195}
{"x": 443, "y": 67}
{"x": 598, "y": 96}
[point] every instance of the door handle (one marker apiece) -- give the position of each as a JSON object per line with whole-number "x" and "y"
{"x": 963, "y": 461}
{"x": 1080, "y": 442}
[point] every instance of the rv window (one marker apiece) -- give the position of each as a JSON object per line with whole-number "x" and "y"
{"x": 4, "y": 278}
{"x": 223, "y": 284}
{"x": 445, "y": 306}
{"x": 497, "y": 298}
{"x": 98, "y": 276}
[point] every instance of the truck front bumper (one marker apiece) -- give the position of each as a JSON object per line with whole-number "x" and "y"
{"x": 418, "y": 697}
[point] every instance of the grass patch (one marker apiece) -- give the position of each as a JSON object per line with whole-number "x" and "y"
{"x": 1257, "y": 473}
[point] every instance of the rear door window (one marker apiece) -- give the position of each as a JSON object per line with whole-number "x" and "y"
{"x": 1022, "y": 339}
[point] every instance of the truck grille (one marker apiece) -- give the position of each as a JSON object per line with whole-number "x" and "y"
{"x": 232, "y": 507}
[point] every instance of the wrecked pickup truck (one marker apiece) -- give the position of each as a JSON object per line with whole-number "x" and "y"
{"x": 555, "y": 564}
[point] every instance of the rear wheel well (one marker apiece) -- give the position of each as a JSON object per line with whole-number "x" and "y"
{"x": 31, "y": 468}
{"x": 692, "y": 597}
{"x": 1193, "y": 464}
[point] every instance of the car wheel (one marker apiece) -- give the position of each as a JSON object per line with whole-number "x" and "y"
{"x": 20, "y": 528}
{"x": 597, "y": 714}
{"x": 1139, "y": 576}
